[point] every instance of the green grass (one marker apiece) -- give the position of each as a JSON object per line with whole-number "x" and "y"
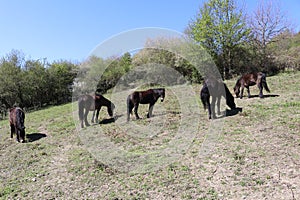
{"x": 254, "y": 155}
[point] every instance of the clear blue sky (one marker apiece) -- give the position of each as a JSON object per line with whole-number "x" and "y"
{"x": 70, "y": 30}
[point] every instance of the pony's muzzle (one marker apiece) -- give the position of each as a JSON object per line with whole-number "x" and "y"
{"x": 161, "y": 99}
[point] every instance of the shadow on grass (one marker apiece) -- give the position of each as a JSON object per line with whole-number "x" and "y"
{"x": 233, "y": 112}
{"x": 110, "y": 120}
{"x": 35, "y": 136}
{"x": 265, "y": 96}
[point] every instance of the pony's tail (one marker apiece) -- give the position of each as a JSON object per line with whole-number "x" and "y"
{"x": 80, "y": 109}
{"x": 129, "y": 105}
{"x": 264, "y": 82}
{"x": 204, "y": 103}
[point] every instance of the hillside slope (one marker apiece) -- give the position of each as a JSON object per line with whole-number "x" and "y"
{"x": 255, "y": 154}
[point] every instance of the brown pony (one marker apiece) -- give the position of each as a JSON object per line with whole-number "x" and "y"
{"x": 216, "y": 89}
{"x": 248, "y": 80}
{"x": 94, "y": 103}
{"x": 16, "y": 121}
{"x": 144, "y": 97}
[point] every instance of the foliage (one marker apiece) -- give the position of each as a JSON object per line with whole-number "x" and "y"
{"x": 169, "y": 52}
{"x": 267, "y": 23}
{"x": 101, "y": 74}
{"x": 32, "y": 83}
{"x": 286, "y": 50}
{"x": 220, "y": 28}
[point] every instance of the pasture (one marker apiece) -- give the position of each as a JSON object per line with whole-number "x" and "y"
{"x": 255, "y": 154}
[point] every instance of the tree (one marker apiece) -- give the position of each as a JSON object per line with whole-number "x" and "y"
{"x": 34, "y": 83}
{"x": 267, "y": 22}
{"x": 220, "y": 28}
{"x": 61, "y": 78}
{"x": 11, "y": 79}
{"x": 37, "y": 80}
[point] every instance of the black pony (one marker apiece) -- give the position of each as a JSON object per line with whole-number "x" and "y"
{"x": 94, "y": 103}
{"x": 144, "y": 97}
{"x": 248, "y": 80}
{"x": 216, "y": 89}
{"x": 16, "y": 121}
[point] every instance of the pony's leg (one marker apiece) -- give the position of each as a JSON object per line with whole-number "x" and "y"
{"x": 150, "y": 110}
{"x": 248, "y": 90}
{"x": 85, "y": 117}
{"x": 93, "y": 116}
{"x": 81, "y": 123}
{"x": 12, "y": 130}
{"x": 136, "y": 107}
{"x": 129, "y": 111}
{"x": 213, "y": 103}
{"x": 18, "y": 134}
{"x": 260, "y": 87}
{"x": 218, "y": 105}
{"x": 209, "y": 109}
{"x": 97, "y": 115}
{"x": 22, "y": 134}
{"x": 242, "y": 92}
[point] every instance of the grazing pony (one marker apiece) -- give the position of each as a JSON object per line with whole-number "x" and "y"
{"x": 16, "y": 121}
{"x": 248, "y": 80}
{"x": 144, "y": 97}
{"x": 94, "y": 103}
{"x": 216, "y": 89}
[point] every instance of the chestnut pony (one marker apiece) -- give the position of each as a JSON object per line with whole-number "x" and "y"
{"x": 248, "y": 80}
{"x": 144, "y": 97}
{"x": 94, "y": 103}
{"x": 216, "y": 89}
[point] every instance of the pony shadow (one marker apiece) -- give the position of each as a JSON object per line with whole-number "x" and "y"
{"x": 264, "y": 96}
{"x": 110, "y": 120}
{"x": 107, "y": 121}
{"x": 233, "y": 112}
{"x": 35, "y": 136}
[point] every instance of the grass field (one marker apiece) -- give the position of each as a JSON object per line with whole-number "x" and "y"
{"x": 177, "y": 154}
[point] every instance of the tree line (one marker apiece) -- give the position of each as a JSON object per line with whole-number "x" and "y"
{"x": 33, "y": 84}
{"x": 238, "y": 42}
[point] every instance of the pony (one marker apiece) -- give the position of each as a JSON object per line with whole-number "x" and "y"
{"x": 216, "y": 89}
{"x": 248, "y": 80}
{"x": 16, "y": 121}
{"x": 144, "y": 97}
{"x": 94, "y": 103}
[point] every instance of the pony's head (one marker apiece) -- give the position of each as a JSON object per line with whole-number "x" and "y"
{"x": 230, "y": 102}
{"x": 162, "y": 94}
{"x": 229, "y": 98}
{"x": 110, "y": 109}
{"x": 20, "y": 118}
{"x": 236, "y": 90}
